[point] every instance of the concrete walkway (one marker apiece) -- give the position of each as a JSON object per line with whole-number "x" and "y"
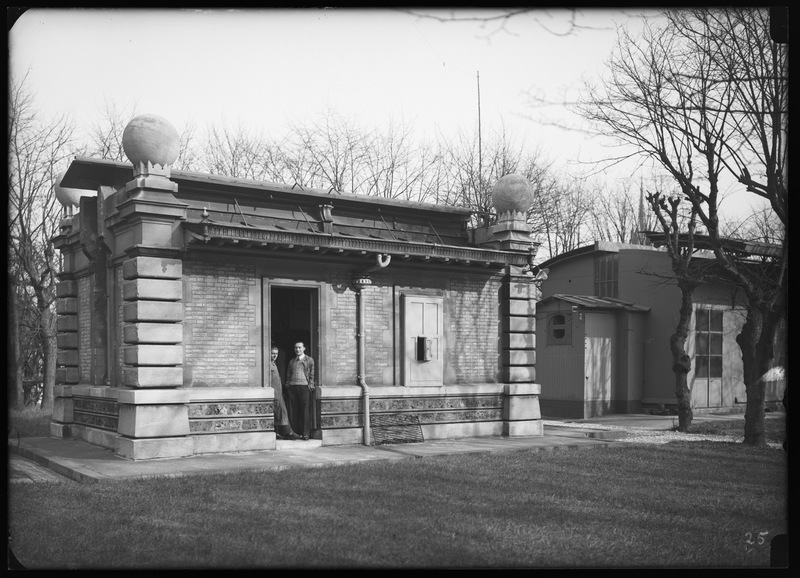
{"x": 52, "y": 459}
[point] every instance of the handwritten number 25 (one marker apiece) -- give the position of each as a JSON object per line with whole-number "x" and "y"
{"x": 755, "y": 539}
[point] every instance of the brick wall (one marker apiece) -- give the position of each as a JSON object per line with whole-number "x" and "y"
{"x": 472, "y": 329}
{"x": 379, "y": 322}
{"x": 341, "y": 348}
{"x": 218, "y": 322}
{"x": 220, "y": 348}
{"x": 119, "y": 344}
{"x": 85, "y": 328}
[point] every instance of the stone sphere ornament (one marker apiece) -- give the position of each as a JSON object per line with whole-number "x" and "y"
{"x": 152, "y": 139}
{"x": 512, "y": 194}
{"x": 69, "y": 197}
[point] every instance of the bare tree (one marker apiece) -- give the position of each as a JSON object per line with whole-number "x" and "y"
{"x": 474, "y": 166}
{"x": 235, "y": 152}
{"x": 37, "y": 147}
{"x": 560, "y": 214}
{"x": 332, "y": 153}
{"x": 705, "y": 96}
{"x": 104, "y": 139}
{"x": 619, "y": 215}
{"x": 15, "y": 395}
{"x": 188, "y": 157}
{"x": 394, "y": 167}
{"x": 762, "y": 225}
{"x": 679, "y": 240}
{"x": 555, "y": 21}
{"x": 338, "y": 149}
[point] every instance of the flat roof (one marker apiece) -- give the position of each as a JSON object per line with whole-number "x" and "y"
{"x": 743, "y": 247}
{"x": 90, "y": 173}
{"x": 592, "y": 302}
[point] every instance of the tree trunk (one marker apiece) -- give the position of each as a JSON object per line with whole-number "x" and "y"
{"x": 756, "y": 342}
{"x": 681, "y": 361}
{"x": 16, "y": 392}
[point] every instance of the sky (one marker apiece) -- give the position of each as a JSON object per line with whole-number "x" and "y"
{"x": 264, "y": 69}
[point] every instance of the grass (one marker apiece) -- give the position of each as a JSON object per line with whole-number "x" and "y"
{"x": 700, "y": 504}
{"x": 30, "y": 421}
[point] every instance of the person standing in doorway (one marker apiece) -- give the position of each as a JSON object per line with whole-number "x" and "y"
{"x": 280, "y": 414}
{"x": 300, "y": 381}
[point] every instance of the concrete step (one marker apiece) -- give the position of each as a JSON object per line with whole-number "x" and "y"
{"x": 297, "y": 444}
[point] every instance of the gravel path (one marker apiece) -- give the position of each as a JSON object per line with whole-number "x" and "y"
{"x": 640, "y": 435}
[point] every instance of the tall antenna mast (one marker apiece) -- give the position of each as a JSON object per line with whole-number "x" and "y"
{"x": 480, "y": 152}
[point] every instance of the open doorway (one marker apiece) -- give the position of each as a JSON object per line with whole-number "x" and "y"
{"x": 293, "y": 318}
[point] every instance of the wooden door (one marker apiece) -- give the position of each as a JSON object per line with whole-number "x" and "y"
{"x": 422, "y": 340}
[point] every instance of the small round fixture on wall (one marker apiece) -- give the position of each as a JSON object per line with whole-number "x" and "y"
{"x": 361, "y": 281}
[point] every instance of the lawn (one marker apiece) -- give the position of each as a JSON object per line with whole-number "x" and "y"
{"x": 700, "y": 504}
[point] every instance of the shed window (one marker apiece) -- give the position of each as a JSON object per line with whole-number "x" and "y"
{"x": 708, "y": 343}
{"x": 559, "y": 329}
{"x": 606, "y": 275}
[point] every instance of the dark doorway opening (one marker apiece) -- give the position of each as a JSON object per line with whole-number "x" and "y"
{"x": 293, "y": 318}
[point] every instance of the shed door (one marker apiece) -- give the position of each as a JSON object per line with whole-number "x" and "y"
{"x": 422, "y": 340}
{"x": 599, "y": 361}
{"x": 707, "y": 385}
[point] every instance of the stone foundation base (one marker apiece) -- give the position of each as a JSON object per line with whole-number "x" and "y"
{"x": 150, "y": 424}
{"x": 523, "y": 428}
{"x": 343, "y": 437}
{"x": 98, "y": 437}
{"x": 233, "y": 442}
{"x": 148, "y": 449}
{"x": 60, "y": 430}
{"x": 442, "y": 431}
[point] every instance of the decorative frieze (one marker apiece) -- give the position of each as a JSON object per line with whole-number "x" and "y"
{"x": 346, "y": 413}
{"x": 96, "y": 412}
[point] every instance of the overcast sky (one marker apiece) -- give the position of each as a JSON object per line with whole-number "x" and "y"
{"x": 267, "y": 68}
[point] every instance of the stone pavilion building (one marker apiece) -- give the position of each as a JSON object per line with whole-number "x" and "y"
{"x": 175, "y": 285}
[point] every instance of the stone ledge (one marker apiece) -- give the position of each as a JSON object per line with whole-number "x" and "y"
{"x": 101, "y": 391}
{"x": 523, "y": 389}
{"x": 352, "y": 392}
{"x": 62, "y": 390}
{"x": 223, "y": 394}
{"x": 153, "y": 396}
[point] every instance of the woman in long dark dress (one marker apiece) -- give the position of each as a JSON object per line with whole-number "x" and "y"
{"x": 281, "y": 416}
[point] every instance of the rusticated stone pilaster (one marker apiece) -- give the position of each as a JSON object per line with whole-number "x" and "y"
{"x": 152, "y": 322}
{"x": 67, "y": 336}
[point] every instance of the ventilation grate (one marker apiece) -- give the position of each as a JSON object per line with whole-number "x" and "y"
{"x": 395, "y": 428}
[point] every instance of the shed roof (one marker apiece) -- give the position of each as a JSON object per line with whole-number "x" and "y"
{"x": 742, "y": 248}
{"x": 592, "y": 302}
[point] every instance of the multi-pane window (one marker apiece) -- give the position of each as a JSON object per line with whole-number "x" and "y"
{"x": 606, "y": 274}
{"x": 708, "y": 343}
